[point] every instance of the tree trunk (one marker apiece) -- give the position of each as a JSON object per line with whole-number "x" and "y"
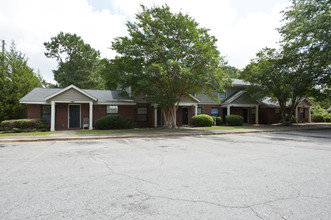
{"x": 286, "y": 114}
{"x": 169, "y": 116}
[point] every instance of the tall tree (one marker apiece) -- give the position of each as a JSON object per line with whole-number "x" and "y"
{"x": 17, "y": 79}
{"x": 77, "y": 61}
{"x": 232, "y": 71}
{"x": 307, "y": 31}
{"x": 166, "y": 57}
{"x": 278, "y": 74}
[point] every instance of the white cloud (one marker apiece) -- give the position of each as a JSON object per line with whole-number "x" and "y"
{"x": 30, "y": 23}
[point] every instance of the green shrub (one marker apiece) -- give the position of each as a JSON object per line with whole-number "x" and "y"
{"x": 219, "y": 120}
{"x": 17, "y": 130}
{"x": 113, "y": 122}
{"x": 202, "y": 120}
{"x": 234, "y": 120}
{"x": 23, "y": 124}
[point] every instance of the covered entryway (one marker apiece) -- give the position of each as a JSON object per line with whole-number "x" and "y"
{"x": 241, "y": 102}
{"x": 74, "y": 116}
{"x": 184, "y": 116}
{"x": 245, "y": 115}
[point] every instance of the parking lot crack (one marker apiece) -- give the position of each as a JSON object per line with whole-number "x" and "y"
{"x": 97, "y": 159}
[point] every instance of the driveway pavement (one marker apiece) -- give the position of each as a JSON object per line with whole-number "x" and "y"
{"x": 284, "y": 175}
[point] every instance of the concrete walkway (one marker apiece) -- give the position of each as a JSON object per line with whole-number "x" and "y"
{"x": 188, "y": 131}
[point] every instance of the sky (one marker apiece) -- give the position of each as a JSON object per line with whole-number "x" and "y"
{"x": 242, "y": 27}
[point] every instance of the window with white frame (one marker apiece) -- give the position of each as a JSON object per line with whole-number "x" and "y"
{"x": 222, "y": 95}
{"x": 112, "y": 109}
{"x": 142, "y": 113}
{"x": 199, "y": 111}
{"x": 46, "y": 113}
{"x": 214, "y": 112}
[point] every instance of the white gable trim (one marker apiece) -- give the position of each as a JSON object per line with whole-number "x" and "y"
{"x": 71, "y": 87}
{"x": 195, "y": 99}
{"x": 305, "y": 99}
{"x": 237, "y": 95}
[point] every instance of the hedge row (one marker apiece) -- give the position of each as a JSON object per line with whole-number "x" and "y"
{"x": 18, "y": 125}
{"x": 234, "y": 120}
{"x": 202, "y": 120}
{"x": 113, "y": 122}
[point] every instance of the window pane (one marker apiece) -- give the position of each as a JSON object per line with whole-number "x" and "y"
{"x": 199, "y": 110}
{"x": 46, "y": 113}
{"x": 214, "y": 111}
{"x": 142, "y": 114}
{"x": 112, "y": 110}
{"x": 222, "y": 95}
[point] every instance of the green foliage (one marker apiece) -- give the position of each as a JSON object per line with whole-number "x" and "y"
{"x": 17, "y": 130}
{"x": 307, "y": 32}
{"x": 23, "y": 124}
{"x": 320, "y": 114}
{"x": 202, "y": 120}
{"x": 232, "y": 71}
{"x": 16, "y": 80}
{"x": 277, "y": 74}
{"x": 78, "y": 62}
{"x": 113, "y": 122}
{"x": 219, "y": 120}
{"x": 234, "y": 120}
{"x": 165, "y": 57}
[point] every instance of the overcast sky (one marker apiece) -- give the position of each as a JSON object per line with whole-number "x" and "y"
{"x": 242, "y": 27}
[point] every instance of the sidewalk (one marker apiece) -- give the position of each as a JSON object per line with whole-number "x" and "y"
{"x": 72, "y": 136}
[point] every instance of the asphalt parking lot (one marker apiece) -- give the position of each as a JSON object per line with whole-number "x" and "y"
{"x": 285, "y": 175}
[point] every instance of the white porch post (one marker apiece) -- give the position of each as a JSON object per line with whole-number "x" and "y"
{"x": 91, "y": 116}
{"x": 155, "y": 116}
{"x": 52, "y": 116}
{"x": 309, "y": 115}
{"x": 228, "y": 110}
{"x": 196, "y": 109}
{"x": 256, "y": 114}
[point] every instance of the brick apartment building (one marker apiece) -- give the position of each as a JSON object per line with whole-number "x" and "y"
{"x": 75, "y": 108}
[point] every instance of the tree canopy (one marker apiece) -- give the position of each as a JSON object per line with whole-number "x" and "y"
{"x": 17, "y": 79}
{"x": 166, "y": 57}
{"x": 77, "y": 61}
{"x": 307, "y": 32}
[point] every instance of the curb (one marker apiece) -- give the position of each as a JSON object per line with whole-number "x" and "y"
{"x": 156, "y": 135}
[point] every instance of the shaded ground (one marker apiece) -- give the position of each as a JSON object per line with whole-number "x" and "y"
{"x": 246, "y": 176}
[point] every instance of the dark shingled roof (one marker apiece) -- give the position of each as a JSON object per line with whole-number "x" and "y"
{"x": 103, "y": 96}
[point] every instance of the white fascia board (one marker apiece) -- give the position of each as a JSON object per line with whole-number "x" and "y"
{"x": 71, "y": 87}
{"x": 115, "y": 103}
{"x": 36, "y": 103}
{"x": 195, "y": 99}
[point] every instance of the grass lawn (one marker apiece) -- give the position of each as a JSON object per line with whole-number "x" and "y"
{"x": 2, "y": 134}
{"x": 134, "y": 130}
{"x": 229, "y": 127}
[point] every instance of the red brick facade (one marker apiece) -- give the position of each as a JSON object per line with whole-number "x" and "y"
{"x": 266, "y": 115}
{"x": 34, "y": 111}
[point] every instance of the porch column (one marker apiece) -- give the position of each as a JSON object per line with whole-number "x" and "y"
{"x": 228, "y": 110}
{"x": 196, "y": 109}
{"x": 256, "y": 114}
{"x": 91, "y": 116}
{"x": 52, "y": 116}
{"x": 309, "y": 115}
{"x": 155, "y": 116}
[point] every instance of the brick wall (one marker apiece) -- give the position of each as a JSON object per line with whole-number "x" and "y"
{"x": 33, "y": 111}
{"x": 150, "y": 115}
{"x": 61, "y": 116}
{"x": 206, "y": 109}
